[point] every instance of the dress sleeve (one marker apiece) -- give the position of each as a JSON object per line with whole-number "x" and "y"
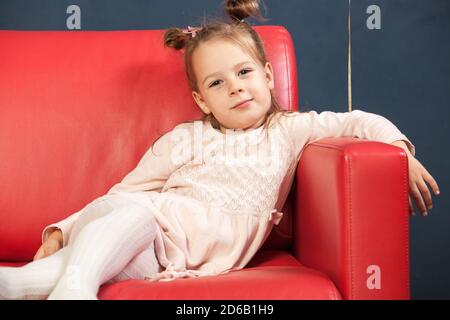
{"x": 311, "y": 126}
{"x": 150, "y": 174}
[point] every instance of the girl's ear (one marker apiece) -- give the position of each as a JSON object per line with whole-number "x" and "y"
{"x": 200, "y": 102}
{"x": 269, "y": 75}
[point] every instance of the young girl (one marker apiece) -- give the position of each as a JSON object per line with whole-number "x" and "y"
{"x": 204, "y": 198}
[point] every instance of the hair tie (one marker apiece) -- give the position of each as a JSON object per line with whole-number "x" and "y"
{"x": 238, "y": 20}
{"x": 191, "y": 30}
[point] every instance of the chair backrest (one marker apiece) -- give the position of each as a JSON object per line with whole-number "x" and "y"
{"x": 79, "y": 109}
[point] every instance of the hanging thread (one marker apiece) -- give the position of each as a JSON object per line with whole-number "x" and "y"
{"x": 349, "y": 62}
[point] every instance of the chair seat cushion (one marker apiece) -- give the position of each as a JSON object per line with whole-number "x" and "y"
{"x": 271, "y": 275}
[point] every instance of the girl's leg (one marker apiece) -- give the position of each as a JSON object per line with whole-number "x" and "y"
{"x": 102, "y": 249}
{"x": 35, "y": 280}
{"x": 38, "y": 278}
{"x": 143, "y": 264}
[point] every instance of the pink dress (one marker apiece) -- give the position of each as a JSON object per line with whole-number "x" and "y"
{"x": 217, "y": 196}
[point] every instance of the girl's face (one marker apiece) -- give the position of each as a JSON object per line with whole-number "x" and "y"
{"x": 226, "y": 75}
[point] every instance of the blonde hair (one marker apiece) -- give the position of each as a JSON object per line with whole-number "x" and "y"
{"x": 236, "y": 31}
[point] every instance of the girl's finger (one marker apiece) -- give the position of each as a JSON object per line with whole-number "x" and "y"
{"x": 434, "y": 186}
{"x": 52, "y": 251}
{"x": 38, "y": 254}
{"x": 426, "y": 195}
{"x": 418, "y": 198}
{"x": 411, "y": 208}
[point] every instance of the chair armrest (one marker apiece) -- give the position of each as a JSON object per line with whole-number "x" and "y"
{"x": 351, "y": 218}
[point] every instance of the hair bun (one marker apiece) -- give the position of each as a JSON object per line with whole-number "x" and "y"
{"x": 175, "y": 38}
{"x": 242, "y": 9}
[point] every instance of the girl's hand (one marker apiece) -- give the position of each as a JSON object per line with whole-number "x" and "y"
{"x": 418, "y": 190}
{"x": 50, "y": 246}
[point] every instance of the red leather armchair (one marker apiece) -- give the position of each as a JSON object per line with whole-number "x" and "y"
{"x": 79, "y": 109}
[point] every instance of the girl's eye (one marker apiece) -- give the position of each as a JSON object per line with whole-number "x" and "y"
{"x": 214, "y": 83}
{"x": 245, "y": 71}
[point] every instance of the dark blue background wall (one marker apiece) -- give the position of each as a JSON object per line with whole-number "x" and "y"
{"x": 401, "y": 71}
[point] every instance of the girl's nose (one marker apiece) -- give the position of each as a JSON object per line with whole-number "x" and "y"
{"x": 235, "y": 88}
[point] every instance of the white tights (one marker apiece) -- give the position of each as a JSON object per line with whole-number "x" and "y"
{"x": 112, "y": 243}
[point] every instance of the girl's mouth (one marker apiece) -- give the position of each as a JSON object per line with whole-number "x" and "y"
{"x": 243, "y": 104}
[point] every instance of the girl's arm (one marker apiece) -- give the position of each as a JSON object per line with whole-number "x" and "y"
{"x": 153, "y": 170}
{"x": 311, "y": 126}
{"x": 150, "y": 174}
{"x": 358, "y": 124}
